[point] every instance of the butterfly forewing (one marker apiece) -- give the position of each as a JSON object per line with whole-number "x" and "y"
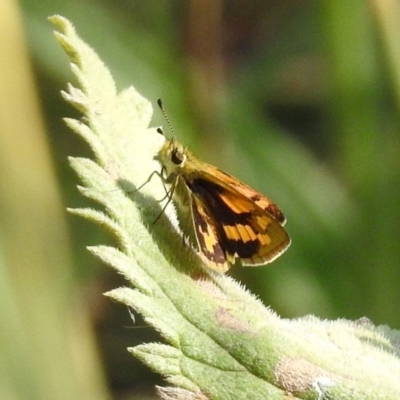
{"x": 262, "y": 201}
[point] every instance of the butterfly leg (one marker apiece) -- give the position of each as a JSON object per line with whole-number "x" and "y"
{"x": 168, "y": 195}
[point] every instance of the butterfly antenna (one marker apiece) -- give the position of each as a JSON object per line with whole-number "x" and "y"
{"x": 160, "y": 104}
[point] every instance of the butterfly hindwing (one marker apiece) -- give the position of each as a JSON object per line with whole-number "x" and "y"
{"x": 206, "y": 235}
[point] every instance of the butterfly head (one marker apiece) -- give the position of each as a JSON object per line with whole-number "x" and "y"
{"x": 172, "y": 156}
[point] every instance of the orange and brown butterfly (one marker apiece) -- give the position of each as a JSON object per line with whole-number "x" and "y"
{"x": 231, "y": 220}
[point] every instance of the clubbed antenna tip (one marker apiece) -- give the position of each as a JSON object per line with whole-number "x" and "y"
{"x": 160, "y": 104}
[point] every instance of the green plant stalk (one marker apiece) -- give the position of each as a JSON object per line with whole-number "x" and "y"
{"x": 222, "y": 343}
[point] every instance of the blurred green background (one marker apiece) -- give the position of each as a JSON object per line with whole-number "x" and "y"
{"x": 299, "y": 99}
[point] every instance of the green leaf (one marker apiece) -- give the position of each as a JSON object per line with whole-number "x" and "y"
{"x": 222, "y": 342}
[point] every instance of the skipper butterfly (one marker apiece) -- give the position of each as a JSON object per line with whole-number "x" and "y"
{"x": 231, "y": 221}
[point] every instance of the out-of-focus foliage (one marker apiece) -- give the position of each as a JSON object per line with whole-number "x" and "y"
{"x": 298, "y": 99}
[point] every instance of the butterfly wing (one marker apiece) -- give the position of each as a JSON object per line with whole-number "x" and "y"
{"x": 262, "y": 201}
{"x": 207, "y": 235}
{"x": 255, "y": 236}
{"x": 235, "y": 225}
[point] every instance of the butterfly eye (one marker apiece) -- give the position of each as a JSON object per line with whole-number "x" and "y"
{"x": 177, "y": 157}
